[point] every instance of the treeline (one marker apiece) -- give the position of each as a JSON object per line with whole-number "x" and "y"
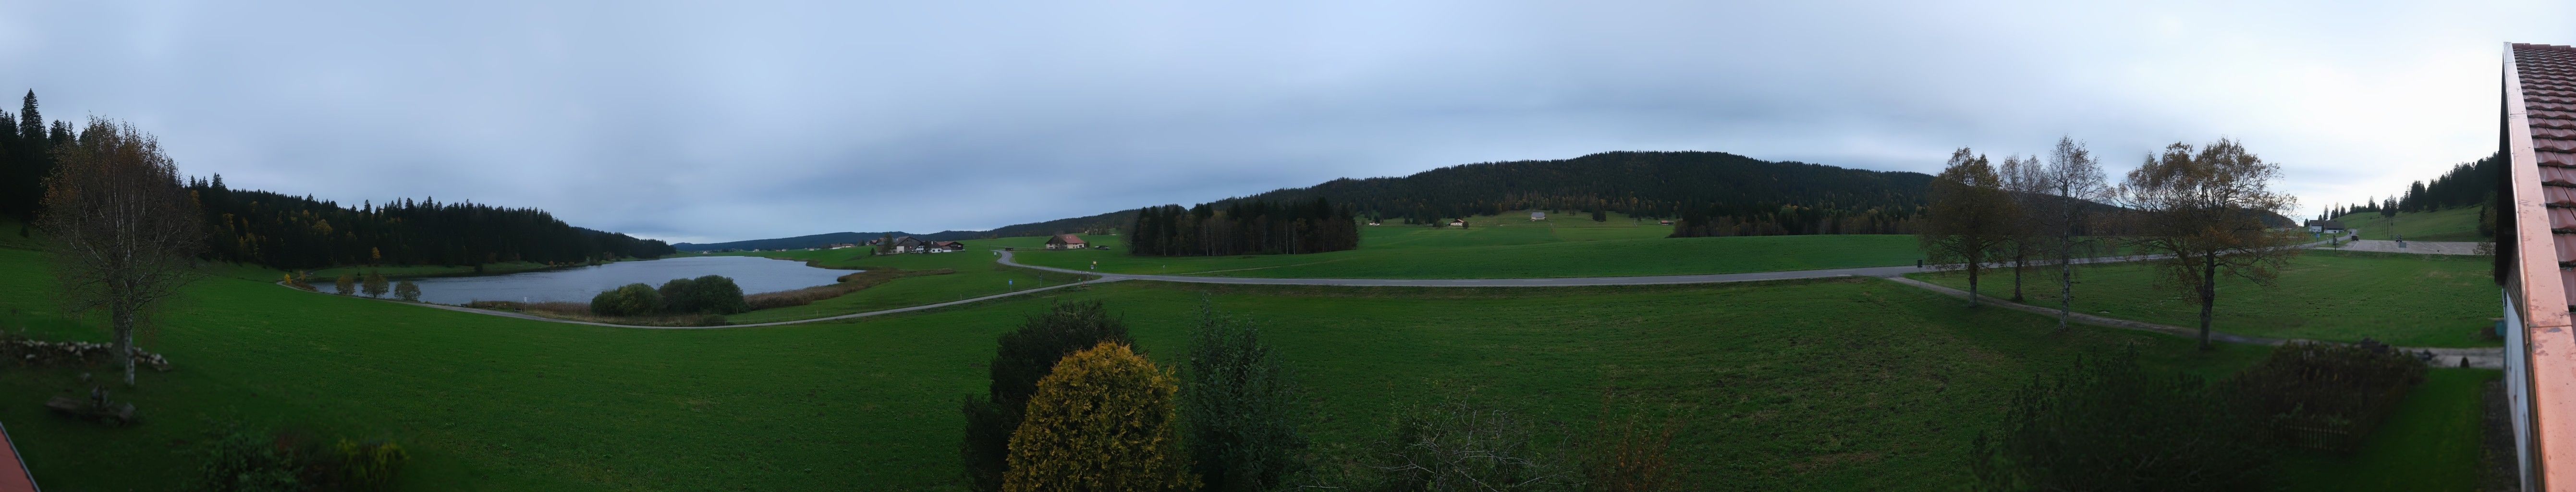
{"x": 1759, "y": 220}
{"x": 1243, "y": 227}
{"x": 2466, "y": 184}
{"x": 287, "y": 231}
{"x": 26, "y": 156}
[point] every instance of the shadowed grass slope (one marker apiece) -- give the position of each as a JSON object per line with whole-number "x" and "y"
{"x": 2403, "y": 299}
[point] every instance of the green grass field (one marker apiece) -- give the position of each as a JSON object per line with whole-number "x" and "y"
{"x": 1512, "y": 246}
{"x": 2403, "y": 299}
{"x": 2454, "y": 224}
{"x": 976, "y": 276}
{"x": 1785, "y": 388}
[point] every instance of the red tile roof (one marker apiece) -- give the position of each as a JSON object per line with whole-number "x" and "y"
{"x": 14, "y": 476}
{"x": 2540, "y": 141}
{"x": 1067, "y": 239}
{"x": 2547, "y": 82}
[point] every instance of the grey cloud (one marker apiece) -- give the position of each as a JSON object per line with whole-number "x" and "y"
{"x": 721, "y": 121}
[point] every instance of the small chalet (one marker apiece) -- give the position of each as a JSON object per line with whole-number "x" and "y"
{"x": 1664, "y": 222}
{"x": 1457, "y": 222}
{"x": 1538, "y": 215}
{"x": 906, "y": 244}
{"x": 946, "y": 246}
{"x": 1066, "y": 241}
{"x": 2325, "y": 226}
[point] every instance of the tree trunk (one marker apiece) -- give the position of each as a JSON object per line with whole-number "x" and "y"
{"x": 2066, "y": 267}
{"x": 1973, "y": 263}
{"x": 125, "y": 343}
{"x": 2019, "y": 258}
{"x": 2208, "y": 296}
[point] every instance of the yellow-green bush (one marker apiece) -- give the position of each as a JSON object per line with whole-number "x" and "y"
{"x": 1101, "y": 421}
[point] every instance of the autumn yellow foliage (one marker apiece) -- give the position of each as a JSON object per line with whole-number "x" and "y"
{"x": 1100, "y": 421}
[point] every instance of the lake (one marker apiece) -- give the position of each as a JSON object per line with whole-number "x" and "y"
{"x": 755, "y": 275}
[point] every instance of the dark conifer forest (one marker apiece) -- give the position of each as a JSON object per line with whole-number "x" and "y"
{"x": 1243, "y": 227}
{"x": 26, "y": 144}
{"x": 286, "y": 231}
{"x": 2466, "y": 184}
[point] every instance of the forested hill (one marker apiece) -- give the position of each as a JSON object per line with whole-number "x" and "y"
{"x": 1766, "y": 197}
{"x": 287, "y": 231}
{"x": 1649, "y": 184}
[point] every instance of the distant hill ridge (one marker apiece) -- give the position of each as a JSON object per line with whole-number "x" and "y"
{"x": 1645, "y": 184}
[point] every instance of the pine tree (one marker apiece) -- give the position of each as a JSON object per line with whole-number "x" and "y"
{"x": 31, "y": 124}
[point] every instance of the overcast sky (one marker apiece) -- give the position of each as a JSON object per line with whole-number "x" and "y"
{"x": 716, "y": 121}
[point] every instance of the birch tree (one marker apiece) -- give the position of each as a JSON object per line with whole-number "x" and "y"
{"x": 2205, "y": 210}
{"x": 2075, "y": 179}
{"x": 125, "y": 234}
{"x": 2023, "y": 184}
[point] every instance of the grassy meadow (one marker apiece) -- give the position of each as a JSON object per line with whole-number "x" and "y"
{"x": 2403, "y": 299}
{"x": 973, "y": 274}
{"x": 1512, "y": 246}
{"x": 2452, "y": 224}
{"x": 1781, "y": 388}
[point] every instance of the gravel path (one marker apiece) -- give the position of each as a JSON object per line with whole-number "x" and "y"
{"x": 2417, "y": 247}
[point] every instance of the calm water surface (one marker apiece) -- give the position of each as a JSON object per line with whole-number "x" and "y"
{"x": 755, "y": 275}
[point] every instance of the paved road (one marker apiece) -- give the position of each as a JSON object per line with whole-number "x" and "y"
{"x": 2416, "y": 247}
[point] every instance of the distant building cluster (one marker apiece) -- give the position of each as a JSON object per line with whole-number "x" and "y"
{"x": 909, "y": 244}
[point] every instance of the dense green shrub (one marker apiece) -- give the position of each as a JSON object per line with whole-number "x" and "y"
{"x": 375, "y": 285}
{"x": 2328, "y": 396}
{"x": 1026, "y": 355}
{"x": 236, "y": 459}
{"x": 1100, "y": 421}
{"x": 1240, "y": 405}
{"x": 628, "y": 300}
{"x": 407, "y": 291}
{"x": 2109, "y": 425}
{"x": 712, "y": 294}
